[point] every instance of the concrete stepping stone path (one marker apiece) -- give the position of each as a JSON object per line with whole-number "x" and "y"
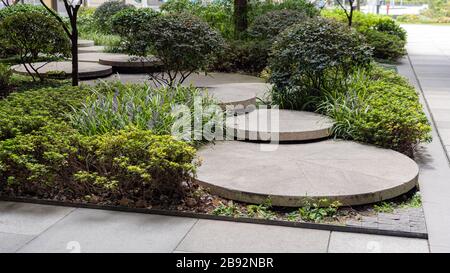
{"x": 86, "y": 70}
{"x": 281, "y": 125}
{"x": 85, "y": 43}
{"x": 130, "y": 64}
{"x": 238, "y": 95}
{"x": 343, "y": 171}
{"x": 91, "y": 49}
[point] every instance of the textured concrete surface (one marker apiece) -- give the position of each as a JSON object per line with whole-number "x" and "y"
{"x": 200, "y": 80}
{"x": 282, "y": 125}
{"x": 107, "y": 231}
{"x": 239, "y": 95}
{"x": 84, "y": 230}
{"x": 342, "y": 242}
{"x": 94, "y": 57}
{"x": 429, "y": 49}
{"x": 337, "y": 170}
{"x": 207, "y": 235}
{"x": 125, "y": 63}
{"x": 91, "y": 49}
{"x": 85, "y": 43}
{"x": 87, "y": 70}
{"x": 29, "y": 219}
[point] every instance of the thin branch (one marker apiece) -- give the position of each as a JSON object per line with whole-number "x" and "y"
{"x": 52, "y": 12}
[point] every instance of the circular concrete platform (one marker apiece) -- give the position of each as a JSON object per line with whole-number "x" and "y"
{"x": 91, "y": 49}
{"x": 281, "y": 125}
{"x": 86, "y": 70}
{"x": 85, "y": 43}
{"x": 239, "y": 95}
{"x": 130, "y": 64}
{"x": 343, "y": 171}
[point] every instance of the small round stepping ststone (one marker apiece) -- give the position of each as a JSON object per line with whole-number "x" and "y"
{"x": 85, "y": 43}
{"x": 91, "y": 49}
{"x": 64, "y": 70}
{"x": 336, "y": 170}
{"x": 240, "y": 95}
{"x": 130, "y": 64}
{"x": 279, "y": 124}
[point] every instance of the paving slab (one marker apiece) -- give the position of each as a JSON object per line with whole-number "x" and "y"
{"x": 238, "y": 95}
{"x": 131, "y": 64}
{"x": 90, "y": 230}
{"x": 281, "y": 125}
{"x": 344, "y": 171}
{"x": 10, "y": 242}
{"x": 29, "y": 219}
{"x": 94, "y": 57}
{"x": 86, "y": 70}
{"x": 91, "y": 49}
{"x": 221, "y": 236}
{"x": 85, "y": 43}
{"x": 342, "y": 242}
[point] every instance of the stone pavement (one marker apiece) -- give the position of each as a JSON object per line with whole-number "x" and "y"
{"x": 42, "y": 228}
{"x": 429, "y": 52}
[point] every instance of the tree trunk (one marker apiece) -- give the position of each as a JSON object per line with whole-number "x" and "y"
{"x": 240, "y": 16}
{"x": 74, "y": 38}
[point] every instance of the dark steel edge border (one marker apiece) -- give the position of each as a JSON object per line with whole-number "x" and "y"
{"x": 328, "y": 227}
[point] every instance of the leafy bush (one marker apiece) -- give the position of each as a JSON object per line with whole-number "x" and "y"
{"x": 268, "y": 25}
{"x": 218, "y": 13}
{"x": 5, "y": 80}
{"x": 85, "y": 20}
{"x": 392, "y": 28}
{"x": 183, "y": 43}
{"x": 133, "y": 26}
{"x": 115, "y": 106}
{"x": 379, "y": 107}
{"x": 20, "y": 8}
{"x": 260, "y": 7}
{"x": 248, "y": 56}
{"x": 308, "y": 55}
{"x": 31, "y": 34}
{"x": 385, "y": 46}
{"x": 41, "y": 155}
{"x": 106, "y": 11}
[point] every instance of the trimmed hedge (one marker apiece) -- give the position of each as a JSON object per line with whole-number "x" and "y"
{"x": 104, "y": 13}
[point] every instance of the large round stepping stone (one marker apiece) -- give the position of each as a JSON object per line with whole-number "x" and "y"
{"x": 130, "y": 64}
{"x": 85, "y": 43}
{"x": 64, "y": 70}
{"x": 239, "y": 95}
{"x": 343, "y": 171}
{"x": 91, "y": 49}
{"x": 279, "y": 124}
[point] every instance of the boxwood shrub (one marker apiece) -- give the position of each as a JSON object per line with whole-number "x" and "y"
{"x": 104, "y": 13}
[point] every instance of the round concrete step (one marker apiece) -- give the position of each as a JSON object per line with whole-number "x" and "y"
{"x": 343, "y": 171}
{"x": 91, "y": 49}
{"x": 281, "y": 125}
{"x": 240, "y": 95}
{"x": 85, "y": 43}
{"x": 129, "y": 64}
{"x": 53, "y": 69}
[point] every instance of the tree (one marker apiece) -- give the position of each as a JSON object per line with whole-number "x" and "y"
{"x": 32, "y": 34}
{"x": 240, "y": 16}
{"x": 72, "y": 8}
{"x": 348, "y": 13}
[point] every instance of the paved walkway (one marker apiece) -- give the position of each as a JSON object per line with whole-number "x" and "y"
{"x": 42, "y": 228}
{"x": 429, "y": 52}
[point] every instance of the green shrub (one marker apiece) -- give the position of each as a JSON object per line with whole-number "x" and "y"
{"x": 218, "y": 14}
{"x": 385, "y": 46}
{"x": 5, "y": 80}
{"x": 133, "y": 26}
{"x": 115, "y": 106}
{"x": 182, "y": 42}
{"x": 249, "y": 56}
{"x": 31, "y": 34}
{"x": 19, "y": 8}
{"x": 85, "y": 20}
{"x": 377, "y": 107}
{"x": 260, "y": 7}
{"x": 268, "y": 25}
{"x": 392, "y": 28}
{"x": 41, "y": 155}
{"x": 308, "y": 55}
{"x": 104, "y": 13}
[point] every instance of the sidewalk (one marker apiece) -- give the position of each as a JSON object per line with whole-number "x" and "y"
{"x": 429, "y": 53}
{"x": 41, "y": 228}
